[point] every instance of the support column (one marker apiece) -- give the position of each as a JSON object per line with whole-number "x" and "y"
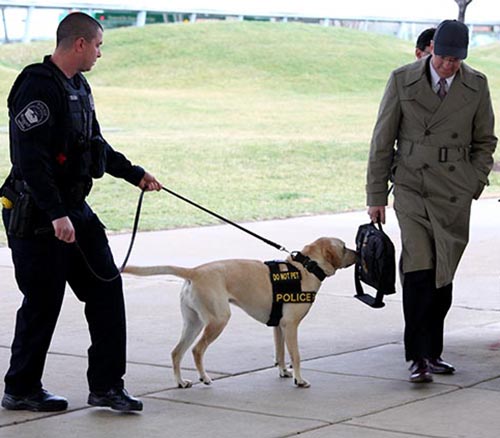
{"x": 27, "y": 26}
{"x": 141, "y": 19}
{"x": 5, "y": 33}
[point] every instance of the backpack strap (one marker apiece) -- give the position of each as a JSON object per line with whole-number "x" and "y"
{"x": 375, "y": 302}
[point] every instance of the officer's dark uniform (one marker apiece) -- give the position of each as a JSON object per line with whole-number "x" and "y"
{"x": 56, "y": 150}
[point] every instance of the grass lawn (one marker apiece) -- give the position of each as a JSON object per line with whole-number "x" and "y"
{"x": 251, "y": 120}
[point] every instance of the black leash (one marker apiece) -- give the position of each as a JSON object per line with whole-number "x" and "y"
{"x": 309, "y": 264}
{"x": 136, "y": 224}
{"x": 131, "y": 244}
{"x": 206, "y": 210}
{"x": 297, "y": 256}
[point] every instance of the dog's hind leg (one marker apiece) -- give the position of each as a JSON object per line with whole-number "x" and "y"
{"x": 190, "y": 331}
{"x": 279, "y": 348}
{"x": 211, "y": 332}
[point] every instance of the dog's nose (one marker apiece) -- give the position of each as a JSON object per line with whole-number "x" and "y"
{"x": 352, "y": 256}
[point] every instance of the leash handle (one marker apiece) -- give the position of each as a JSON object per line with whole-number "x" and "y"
{"x": 218, "y": 216}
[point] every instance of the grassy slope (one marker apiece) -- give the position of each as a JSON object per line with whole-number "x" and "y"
{"x": 253, "y": 120}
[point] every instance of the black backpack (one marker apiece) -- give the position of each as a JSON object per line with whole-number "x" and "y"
{"x": 376, "y": 265}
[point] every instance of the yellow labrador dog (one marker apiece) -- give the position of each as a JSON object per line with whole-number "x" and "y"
{"x": 209, "y": 289}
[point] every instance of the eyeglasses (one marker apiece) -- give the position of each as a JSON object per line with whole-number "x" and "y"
{"x": 449, "y": 59}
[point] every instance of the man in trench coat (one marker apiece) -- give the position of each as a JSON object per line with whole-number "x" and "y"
{"x": 437, "y": 111}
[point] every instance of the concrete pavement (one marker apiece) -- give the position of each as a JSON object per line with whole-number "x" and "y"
{"x": 351, "y": 354}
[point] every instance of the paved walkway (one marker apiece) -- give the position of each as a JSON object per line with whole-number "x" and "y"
{"x": 352, "y": 354}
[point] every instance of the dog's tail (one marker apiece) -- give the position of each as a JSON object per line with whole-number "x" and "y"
{"x": 158, "y": 270}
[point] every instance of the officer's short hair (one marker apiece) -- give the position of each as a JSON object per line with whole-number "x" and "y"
{"x": 77, "y": 25}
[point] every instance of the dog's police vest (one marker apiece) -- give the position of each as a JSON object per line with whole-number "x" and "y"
{"x": 286, "y": 289}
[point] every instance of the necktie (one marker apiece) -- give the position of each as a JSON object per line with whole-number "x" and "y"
{"x": 442, "y": 88}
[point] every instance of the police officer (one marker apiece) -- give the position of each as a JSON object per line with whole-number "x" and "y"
{"x": 56, "y": 151}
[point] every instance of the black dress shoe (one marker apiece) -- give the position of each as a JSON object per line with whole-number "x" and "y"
{"x": 420, "y": 372}
{"x": 116, "y": 398}
{"x": 40, "y": 401}
{"x": 439, "y": 366}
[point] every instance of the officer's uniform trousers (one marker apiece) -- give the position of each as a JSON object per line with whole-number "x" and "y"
{"x": 43, "y": 266}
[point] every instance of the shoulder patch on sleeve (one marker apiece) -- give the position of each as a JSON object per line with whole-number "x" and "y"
{"x": 34, "y": 114}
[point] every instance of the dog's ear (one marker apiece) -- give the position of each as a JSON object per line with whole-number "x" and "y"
{"x": 332, "y": 256}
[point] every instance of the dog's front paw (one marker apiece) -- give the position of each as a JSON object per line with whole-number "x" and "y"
{"x": 285, "y": 373}
{"x": 183, "y": 384}
{"x": 206, "y": 380}
{"x": 302, "y": 383}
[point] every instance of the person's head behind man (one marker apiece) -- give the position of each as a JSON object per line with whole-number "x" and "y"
{"x": 423, "y": 44}
{"x": 78, "y": 40}
{"x": 449, "y": 47}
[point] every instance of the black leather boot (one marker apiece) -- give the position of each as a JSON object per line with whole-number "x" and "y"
{"x": 40, "y": 401}
{"x": 115, "y": 398}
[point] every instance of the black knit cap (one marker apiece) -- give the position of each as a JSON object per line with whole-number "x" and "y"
{"x": 451, "y": 39}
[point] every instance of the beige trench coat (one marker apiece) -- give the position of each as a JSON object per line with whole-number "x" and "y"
{"x": 439, "y": 154}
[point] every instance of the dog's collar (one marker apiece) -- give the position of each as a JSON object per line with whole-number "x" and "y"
{"x": 309, "y": 264}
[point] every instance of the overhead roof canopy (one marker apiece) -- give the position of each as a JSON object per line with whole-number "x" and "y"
{"x": 479, "y": 11}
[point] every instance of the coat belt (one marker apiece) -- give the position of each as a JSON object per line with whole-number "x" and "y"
{"x": 442, "y": 154}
